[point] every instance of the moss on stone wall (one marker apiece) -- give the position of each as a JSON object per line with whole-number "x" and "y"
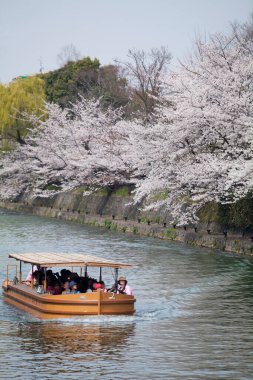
{"x": 209, "y": 213}
{"x": 122, "y": 191}
{"x": 234, "y": 216}
{"x": 104, "y": 191}
{"x": 117, "y": 201}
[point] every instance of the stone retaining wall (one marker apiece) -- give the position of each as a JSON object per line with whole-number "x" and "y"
{"x": 117, "y": 214}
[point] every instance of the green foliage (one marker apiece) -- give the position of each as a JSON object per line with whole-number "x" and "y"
{"x": 160, "y": 196}
{"x": 238, "y": 215}
{"x": 122, "y": 191}
{"x": 93, "y": 223}
{"x": 209, "y": 213}
{"x": 22, "y": 96}
{"x": 98, "y": 191}
{"x": 114, "y": 226}
{"x": 171, "y": 233}
{"x": 110, "y": 225}
{"x": 135, "y": 230}
{"x": 61, "y": 84}
{"x": 158, "y": 219}
{"x": 103, "y": 191}
{"x": 53, "y": 187}
{"x": 146, "y": 220}
{"x": 81, "y": 189}
{"x": 85, "y": 77}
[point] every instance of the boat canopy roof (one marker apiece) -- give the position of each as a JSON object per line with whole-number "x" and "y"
{"x": 57, "y": 259}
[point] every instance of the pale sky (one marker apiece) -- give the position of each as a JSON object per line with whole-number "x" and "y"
{"x": 36, "y": 30}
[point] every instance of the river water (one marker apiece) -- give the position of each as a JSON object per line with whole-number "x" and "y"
{"x": 193, "y": 320}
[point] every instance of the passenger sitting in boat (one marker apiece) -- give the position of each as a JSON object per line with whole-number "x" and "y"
{"x": 51, "y": 278}
{"x": 29, "y": 277}
{"x": 38, "y": 277}
{"x": 65, "y": 287}
{"x": 83, "y": 284}
{"x": 91, "y": 283}
{"x": 65, "y": 275}
{"x": 53, "y": 285}
{"x": 123, "y": 288}
{"x": 73, "y": 287}
{"x": 54, "y": 289}
{"x": 57, "y": 288}
{"x": 96, "y": 286}
{"x": 73, "y": 276}
{"x": 100, "y": 286}
{"x": 103, "y": 288}
{"x": 50, "y": 289}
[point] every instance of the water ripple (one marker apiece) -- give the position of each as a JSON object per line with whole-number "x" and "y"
{"x": 193, "y": 315}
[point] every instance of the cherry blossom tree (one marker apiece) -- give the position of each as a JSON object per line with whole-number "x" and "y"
{"x": 201, "y": 148}
{"x": 81, "y": 146}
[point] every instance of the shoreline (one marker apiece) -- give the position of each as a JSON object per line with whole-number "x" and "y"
{"x": 200, "y": 237}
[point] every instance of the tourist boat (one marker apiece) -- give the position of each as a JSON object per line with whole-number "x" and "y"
{"x": 41, "y": 304}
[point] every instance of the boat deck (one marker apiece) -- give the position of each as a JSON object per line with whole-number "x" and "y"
{"x": 24, "y": 288}
{"x": 27, "y": 289}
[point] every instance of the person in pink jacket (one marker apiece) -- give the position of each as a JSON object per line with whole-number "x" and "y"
{"x": 29, "y": 277}
{"x": 123, "y": 288}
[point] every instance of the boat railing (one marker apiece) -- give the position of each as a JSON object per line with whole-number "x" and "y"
{"x": 8, "y": 272}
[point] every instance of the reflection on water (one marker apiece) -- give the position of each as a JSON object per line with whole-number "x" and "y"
{"x": 64, "y": 348}
{"x": 193, "y": 315}
{"x": 79, "y": 339}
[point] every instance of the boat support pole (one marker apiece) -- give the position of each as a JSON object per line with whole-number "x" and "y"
{"x": 20, "y": 272}
{"x": 100, "y": 274}
{"x": 99, "y": 293}
{"x": 32, "y": 280}
{"x": 45, "y": 280}
{"x": 116, "y": 278}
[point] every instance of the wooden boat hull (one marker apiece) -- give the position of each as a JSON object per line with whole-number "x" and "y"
{"x": 47, "y": 306}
